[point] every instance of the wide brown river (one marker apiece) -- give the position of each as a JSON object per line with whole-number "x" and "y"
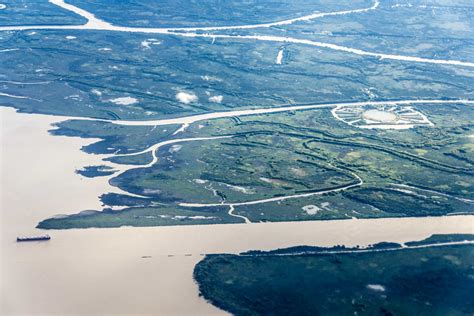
{"x": 102, "y": 271}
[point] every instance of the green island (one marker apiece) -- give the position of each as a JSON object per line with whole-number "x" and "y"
{"x": 379, "y": 119}
{"x": 430, "y": 277}
{"x": 294, "y": 166}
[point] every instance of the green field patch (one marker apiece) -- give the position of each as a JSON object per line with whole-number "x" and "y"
{"x": 311, "y": 281}
{"x": 232, "y": 170}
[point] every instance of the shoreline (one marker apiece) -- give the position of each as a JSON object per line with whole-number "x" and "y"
{"x": 203, "y": 116}
{"x": 79, "y": 267}
{"x": 467, "y": 216}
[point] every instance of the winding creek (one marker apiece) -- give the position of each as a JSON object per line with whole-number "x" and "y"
{"x": 123, "y": 270}
{"x": 187, "y": 120}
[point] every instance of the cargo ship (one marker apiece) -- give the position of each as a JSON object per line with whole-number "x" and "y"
{"x": 33, "y": 238}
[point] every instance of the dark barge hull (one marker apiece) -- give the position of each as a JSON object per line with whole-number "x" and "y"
{"x": 36, "y": 238}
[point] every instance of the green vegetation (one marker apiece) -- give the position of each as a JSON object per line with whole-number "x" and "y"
{"x": 311, "y": 281}
{"x": 363, "y": 173}
{"x": 95, "y": 171}
{"x": 425, "y": 171}
{"x": 146, "y": 13}
{"x": 231, "y": 170}
{"x": 435, "y": 239}
{"x": 26, "y": 12}
{"x": 117, "y": 139}
{"x": 144, "y": 216}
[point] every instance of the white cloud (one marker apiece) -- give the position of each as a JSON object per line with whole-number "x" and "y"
{"x": 149, "y": 42}
{"x": 186, "y": 98}
{"x": 216, "y": 99}
{"x": 210, "y": 78}
{"x": 124, "y": 101}
{"x": 376, "y": 287}
{"x": 96, "y": 92}
{"x": 279, "y": 58}
{"x": 151, "y": 191}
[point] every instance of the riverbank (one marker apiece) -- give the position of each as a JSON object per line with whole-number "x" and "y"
{"x": 146, "y": 270}
{"x": 387, "y": 279}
